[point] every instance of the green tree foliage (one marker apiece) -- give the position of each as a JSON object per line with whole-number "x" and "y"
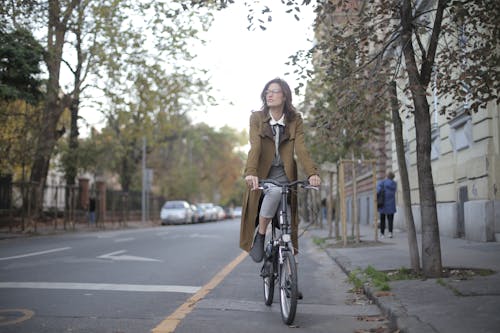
{"x": 20, "y": 123}
{"x": 142, "y": 68}
{"x": 105, "y": 45}
{"x": 20, "y": 94}
{"x": 340, "y": 106}
{"x": 20, "y": 59}
{"x": 452, "y": 41}
{"x": 191, "y": 162}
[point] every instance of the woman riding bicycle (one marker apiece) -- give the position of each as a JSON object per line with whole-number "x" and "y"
{"x": 276, "y": 136}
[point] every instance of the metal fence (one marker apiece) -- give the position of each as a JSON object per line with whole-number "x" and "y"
{"x": 25, "y": 207}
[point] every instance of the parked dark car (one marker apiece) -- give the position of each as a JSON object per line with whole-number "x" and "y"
{"x": 198, "y": 213}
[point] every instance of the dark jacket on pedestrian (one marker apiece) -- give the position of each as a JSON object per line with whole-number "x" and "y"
{"x": 390, "y": 188}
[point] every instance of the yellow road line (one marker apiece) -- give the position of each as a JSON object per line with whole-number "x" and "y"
{"x": 169, "y": 324}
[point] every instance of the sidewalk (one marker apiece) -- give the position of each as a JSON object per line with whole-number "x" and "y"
{"x": 447, "y": 305}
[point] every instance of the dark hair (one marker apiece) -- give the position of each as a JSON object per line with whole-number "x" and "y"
{"x": 288, "y": 109}
{"x": 390, "y": 175}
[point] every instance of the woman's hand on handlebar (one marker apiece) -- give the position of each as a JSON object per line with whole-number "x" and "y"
{"x": 252, "y": 182}
{"x": 314, "y": 180}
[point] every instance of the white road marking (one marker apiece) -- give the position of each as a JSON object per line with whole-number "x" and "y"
{"x": 35, "y": 253}
{"x": 116, "y": 256}
{"x": 119, "y": 240}
{"x": 196, "y": 235}
{"x": 101, "y": 287}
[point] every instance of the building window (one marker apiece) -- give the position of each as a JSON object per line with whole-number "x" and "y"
{"x": 461, "y": 131}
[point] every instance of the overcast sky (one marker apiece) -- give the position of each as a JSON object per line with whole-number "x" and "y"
{"x": 241, "y": 62}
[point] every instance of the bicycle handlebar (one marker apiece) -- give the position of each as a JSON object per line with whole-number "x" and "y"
{"x": 303, "y": 183}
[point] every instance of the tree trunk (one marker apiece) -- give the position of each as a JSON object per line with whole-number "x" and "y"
{"x": 72, "y": 166}
{"x": 405, "y": 183}
{"x": 431, "y": 248}
{"x": 72, "y": 161}
{"x": 54, "y": 104}
{"x": 125, "y": 177}
{"x": 47, "y": 138}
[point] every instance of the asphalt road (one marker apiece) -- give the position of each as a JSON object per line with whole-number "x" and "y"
{"x": 189, "y": 278}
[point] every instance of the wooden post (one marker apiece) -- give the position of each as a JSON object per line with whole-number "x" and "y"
{"x": 342, "y": 200}
{"x": 355, "y": 218}
{"x": 337, "y": 207}
{"x": 329, "y": 203}
{"x": 100, "y": 202}
{"x": 375, "y": 209}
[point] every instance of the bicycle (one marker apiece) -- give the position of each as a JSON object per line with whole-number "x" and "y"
{"x": 279, "y": 260}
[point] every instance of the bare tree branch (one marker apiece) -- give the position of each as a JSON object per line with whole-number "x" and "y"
{"x": 426, "y": 70}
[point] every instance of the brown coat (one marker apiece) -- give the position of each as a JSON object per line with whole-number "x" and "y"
{"x": 260, "y": 158}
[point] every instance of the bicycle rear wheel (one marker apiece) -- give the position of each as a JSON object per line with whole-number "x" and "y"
{"x": 288, "y": 288}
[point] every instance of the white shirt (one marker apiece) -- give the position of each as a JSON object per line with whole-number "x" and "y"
{"x": 280, "y": 121}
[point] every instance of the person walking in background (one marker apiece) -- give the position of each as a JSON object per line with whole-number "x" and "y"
{"x": 388, "y": 186}
{"x": 92, "y": 210}
{"x": 323, "y": 210}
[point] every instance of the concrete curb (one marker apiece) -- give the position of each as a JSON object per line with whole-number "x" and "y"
{"x": 390, "y": 306}
{"x": 398, "y": 317}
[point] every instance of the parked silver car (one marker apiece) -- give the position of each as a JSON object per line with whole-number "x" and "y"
{"x": 237, "y": 211}
{"x": 176, "y": 212}
{"x": 220, "y": 213}
{"x": 210, "y": 211}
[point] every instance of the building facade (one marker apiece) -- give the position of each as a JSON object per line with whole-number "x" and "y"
{"x": 466, "y": 172}
{"x": 465, "y": 155}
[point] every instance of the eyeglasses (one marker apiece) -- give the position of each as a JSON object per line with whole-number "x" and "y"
{"x": 273, "y": 91}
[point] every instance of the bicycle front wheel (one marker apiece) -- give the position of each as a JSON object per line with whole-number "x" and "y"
{"x": 268, "y": 279}
{"x": 288, "y": 288}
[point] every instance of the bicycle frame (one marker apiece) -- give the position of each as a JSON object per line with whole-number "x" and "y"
{"x": 284, "y": 224}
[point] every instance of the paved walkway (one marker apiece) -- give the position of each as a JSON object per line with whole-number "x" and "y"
{"x": 447, "y": 305}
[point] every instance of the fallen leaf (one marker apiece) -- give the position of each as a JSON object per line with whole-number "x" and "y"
{"x": 371, "y": 318}
{"x": 383, "y": 293}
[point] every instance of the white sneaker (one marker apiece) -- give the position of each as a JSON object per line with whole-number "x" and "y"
{"x": 382, "y": 236}
{"x": 390, "y": 235}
